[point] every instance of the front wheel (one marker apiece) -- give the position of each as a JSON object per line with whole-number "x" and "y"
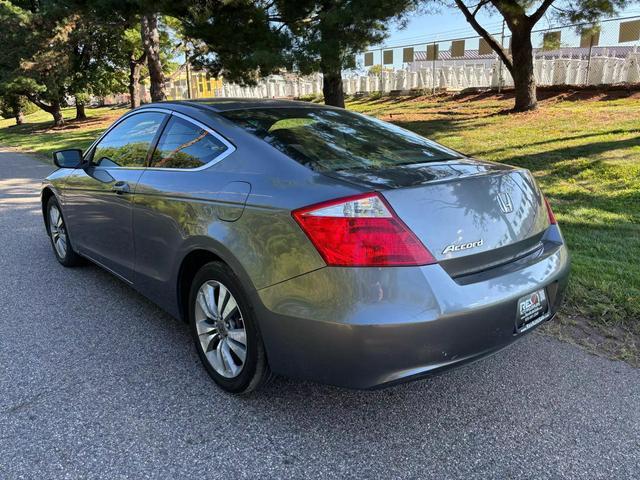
{"x": 225, "y": 330}
{"x": 59, "y": 235}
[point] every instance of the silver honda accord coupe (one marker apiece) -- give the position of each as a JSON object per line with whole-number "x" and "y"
{"x": 309, "y": 241}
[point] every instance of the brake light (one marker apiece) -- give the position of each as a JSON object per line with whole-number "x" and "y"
{"x": 361, "y": 231}
{"x": 552, "y": 217}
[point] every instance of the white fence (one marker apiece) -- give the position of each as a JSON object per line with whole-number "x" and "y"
{"x": 594, "y": 70}
{"x": 275, "y": 86}
{"x": 608, "y": 53}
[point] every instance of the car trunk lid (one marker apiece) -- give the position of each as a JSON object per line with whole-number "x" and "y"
{"x": 470, "y": 215}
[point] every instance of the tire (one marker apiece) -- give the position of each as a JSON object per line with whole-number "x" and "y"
{"x": 218, "y": 336}
{"x": 59, "y": 236}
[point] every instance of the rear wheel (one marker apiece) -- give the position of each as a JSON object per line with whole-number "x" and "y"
{"x": 225, "y": 330}
{"x": 59, "y": 236}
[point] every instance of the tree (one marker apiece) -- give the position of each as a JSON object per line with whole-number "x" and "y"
{"x": 137, "y": 59}
{"x": 93, "y": 47}
{"x": 327, "y": 34}
{"x": 12, "y": 105}
{"x": 521, "y": 16}
{"x": 53, "y": 50}
{"x": 151, "y": 46}
{"x": 152, "y": 51}
{"x": 30, "y": 60}
{"x": 234, "y": 38}
{"x": 164, "y": 50}
{"x": 305, "y": 35}
{"x": 133, "y": 60}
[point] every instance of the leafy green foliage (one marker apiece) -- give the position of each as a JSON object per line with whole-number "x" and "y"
{"x": 11, "y": 104}
{"x": 589, "y": 10}
{"x": 327, "y": 34}
{"x": 246, "y": 39}
{"x": 93, "y": 47}
{"x": 236, "y": 38}
{"x": 128, "y": 155}
{"x": 22, "y": 60}
{"x": 54, "y": 50}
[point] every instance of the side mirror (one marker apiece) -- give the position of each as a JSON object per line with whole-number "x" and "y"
{"x": 68, "y": 158}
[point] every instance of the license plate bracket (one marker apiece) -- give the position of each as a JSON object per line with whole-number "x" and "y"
{"x": 532, "y": 309}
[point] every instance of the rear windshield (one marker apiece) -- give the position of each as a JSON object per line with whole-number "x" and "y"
{"x": 332, "y": 140}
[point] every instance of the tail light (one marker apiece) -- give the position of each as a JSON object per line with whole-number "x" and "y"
{"x": 361, "y": 231}
{"x": 552, "y": 217}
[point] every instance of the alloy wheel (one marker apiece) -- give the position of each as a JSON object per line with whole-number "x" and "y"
{"x": 221, "y": 329}
{"x": 58, "y": 231}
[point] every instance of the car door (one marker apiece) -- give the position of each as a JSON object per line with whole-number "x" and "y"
{"x": 99, "y": 197}
{"x": 178, "y": 197}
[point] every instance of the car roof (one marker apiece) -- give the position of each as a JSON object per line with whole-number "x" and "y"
{"x": 229, "y": 104}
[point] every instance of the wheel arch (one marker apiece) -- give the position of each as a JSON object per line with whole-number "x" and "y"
{"x": 191, "y": 263}
{"x": 196, "y": 257}
{"x": 47, "y": 193}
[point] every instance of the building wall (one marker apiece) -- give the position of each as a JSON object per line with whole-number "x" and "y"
{"x": 202, "y": 86}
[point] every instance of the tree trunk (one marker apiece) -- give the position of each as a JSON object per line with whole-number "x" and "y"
{"x": 331, "y": 61}
{"x": 151, "y": 45}
{"x": 56, "y": 112}
{"x": 80, "y": 112}
{"x": 332, "y": 89}
{"x": 18, "y": 114}
{"x": 134, "y": 81}
{"x": 523, "y": 78}
{"x": 520, "y": 62}
{"x": 54, "y": 108}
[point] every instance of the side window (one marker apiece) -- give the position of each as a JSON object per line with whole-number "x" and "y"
{"x": 128, "y": 143}
{"x": 185, "y": 145}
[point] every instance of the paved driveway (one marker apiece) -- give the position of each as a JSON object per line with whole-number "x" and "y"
{"x": 96, "y": 382}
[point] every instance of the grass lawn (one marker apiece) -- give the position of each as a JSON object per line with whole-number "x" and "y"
{"x": 584, "y": 150}
{"x": 38, "y": 135}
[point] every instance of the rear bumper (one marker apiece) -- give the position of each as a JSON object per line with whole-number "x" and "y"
{"x": 370, "y": 327}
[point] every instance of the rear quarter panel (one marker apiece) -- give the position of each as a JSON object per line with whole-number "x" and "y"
{"x": 176, "y": 212}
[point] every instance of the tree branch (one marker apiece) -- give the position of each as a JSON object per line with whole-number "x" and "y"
{"x": 502, "y": 53}
{"x": 479, "y": 6}
{"x": 537, "y": 15}
{"x": 39, "y": 103}
{"x": 138, "y": 61}
{"x": 512, "y": 12}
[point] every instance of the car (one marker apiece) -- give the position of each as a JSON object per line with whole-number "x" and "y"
{"x": 310, "y": 241}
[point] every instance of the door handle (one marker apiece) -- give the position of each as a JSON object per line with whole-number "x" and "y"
{"x": 120, "y": 188}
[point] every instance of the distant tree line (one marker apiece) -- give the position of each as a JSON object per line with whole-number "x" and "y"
{"x": 53, "y": 50}
{"x": 56, "y": 49}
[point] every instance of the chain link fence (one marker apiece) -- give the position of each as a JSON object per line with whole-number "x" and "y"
{"x": 580, "y": 54}
{"x": 607, "y": 53}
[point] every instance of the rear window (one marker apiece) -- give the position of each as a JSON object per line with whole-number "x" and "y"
{"x": 332, "y": 140}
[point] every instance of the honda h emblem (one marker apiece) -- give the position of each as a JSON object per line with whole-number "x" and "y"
{"x": 504, "y": 200}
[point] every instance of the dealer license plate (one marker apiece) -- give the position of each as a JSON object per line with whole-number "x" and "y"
{"x": 533, "y": 309}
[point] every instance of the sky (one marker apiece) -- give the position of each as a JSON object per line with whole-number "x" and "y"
{"x": 449, "y": 23}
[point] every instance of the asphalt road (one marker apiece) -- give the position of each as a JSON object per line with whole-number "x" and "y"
{"x": 96, "y": 382}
